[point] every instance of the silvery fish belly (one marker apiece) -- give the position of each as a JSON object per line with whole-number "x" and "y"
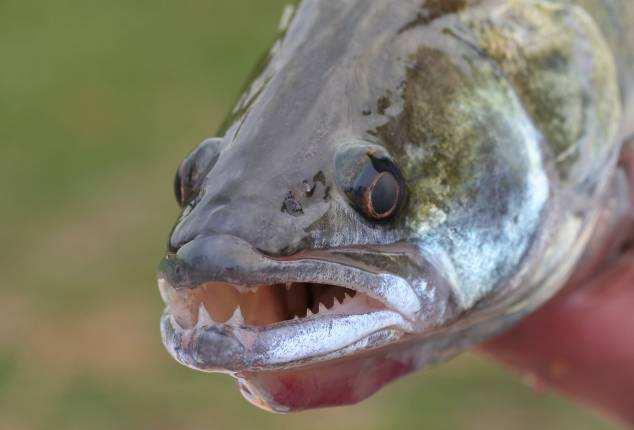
{"x": 400, "y": 181}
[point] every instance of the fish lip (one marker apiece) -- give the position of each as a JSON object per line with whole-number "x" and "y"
{"x": 226, "y": 348}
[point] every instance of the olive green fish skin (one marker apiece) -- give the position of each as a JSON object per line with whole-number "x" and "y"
{"x": 614, "y": 18}
{"x": 505, "y": 118}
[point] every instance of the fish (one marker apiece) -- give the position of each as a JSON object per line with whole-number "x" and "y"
{"x": 400, "y": 181}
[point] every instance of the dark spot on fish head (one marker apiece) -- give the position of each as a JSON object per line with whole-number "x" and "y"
{"x": 320, "y": 177}
{"x": 292, "y": 206}
{"x": 300, "y": 196}
{"x": 327, "y": 194}
{"x": 383, "y": 104}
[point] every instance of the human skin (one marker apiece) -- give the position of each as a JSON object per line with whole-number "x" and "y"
{"x": 582, "y": 342}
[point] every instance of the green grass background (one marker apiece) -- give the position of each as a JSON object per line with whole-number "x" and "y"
{"x": 99, "y": 101}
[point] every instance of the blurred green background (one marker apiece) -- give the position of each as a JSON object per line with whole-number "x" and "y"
{"x": 99, "y": 101}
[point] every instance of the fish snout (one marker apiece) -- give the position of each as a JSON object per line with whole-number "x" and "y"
{"x": 273, "y": 216}
{"x": 215, "y": 257}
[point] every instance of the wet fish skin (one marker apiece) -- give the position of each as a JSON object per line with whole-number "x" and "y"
{"x": 505, "y": 118}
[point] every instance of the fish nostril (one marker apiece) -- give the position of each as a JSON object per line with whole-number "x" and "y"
{"x": 292, "y": 205}
{"x": 276, "y": 220}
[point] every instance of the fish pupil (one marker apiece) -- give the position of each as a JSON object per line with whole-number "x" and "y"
{"x": 384, "y": 194}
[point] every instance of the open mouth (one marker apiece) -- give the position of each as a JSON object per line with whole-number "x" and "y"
{"x": 216, "y": 303}
{"x": 231, "y": 308}
{"x": 218, "y": 326}
{"x": 301, "y": 322}
{"x": 318, "y": 328}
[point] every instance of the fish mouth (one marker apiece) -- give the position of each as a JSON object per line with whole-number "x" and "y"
{"x": 219, "y": 304}
{"x": 300, "y": 321}
{"x": 228, "y": 328}
{"x": 231, "y": 308}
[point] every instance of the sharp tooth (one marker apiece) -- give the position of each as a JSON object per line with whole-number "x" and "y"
{"x": 296, "y": 317}
{"x": 349, "y": 297}
{"x": 309, "y": 313}
{"x": 204, "y": 318}
{"x": 322, "y": 308}
{"x": 289, "y": 285}
{"x": 255, "y": 289}
{"x": 237, "y": 318}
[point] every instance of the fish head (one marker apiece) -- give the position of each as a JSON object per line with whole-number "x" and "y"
{"x": 363, "y": 200}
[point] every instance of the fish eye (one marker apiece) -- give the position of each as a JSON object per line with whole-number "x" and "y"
{"x": 193, "y": 170}
{"x": 371, "y": 181}
{"x": 381, "y": 197}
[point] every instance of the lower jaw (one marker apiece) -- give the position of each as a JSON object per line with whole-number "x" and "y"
{"x": 228, "y": 349}
{"x": 331, "y": 380}
{"x": 339, "y": 382}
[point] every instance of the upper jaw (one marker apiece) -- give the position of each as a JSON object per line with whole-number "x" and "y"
{"x": 388, "y": 307}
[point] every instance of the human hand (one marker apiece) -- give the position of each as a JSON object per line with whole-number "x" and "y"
{"x": 582, "y": 342}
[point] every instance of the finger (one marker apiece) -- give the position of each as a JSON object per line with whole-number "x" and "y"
{"x": 582, "y": 343}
